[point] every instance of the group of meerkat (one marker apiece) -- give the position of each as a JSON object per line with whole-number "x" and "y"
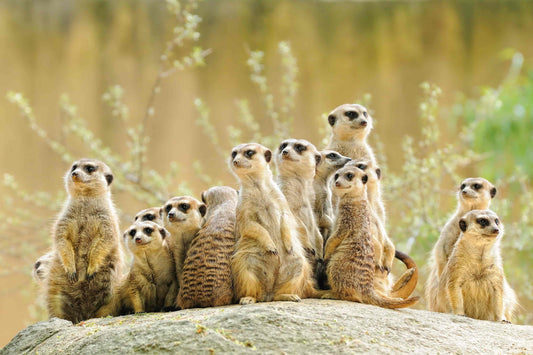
{"x": 316, "y": 230}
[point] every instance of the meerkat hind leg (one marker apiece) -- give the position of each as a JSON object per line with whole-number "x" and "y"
{"x": 247, "y": 300}
{"x": 287, "y": 297}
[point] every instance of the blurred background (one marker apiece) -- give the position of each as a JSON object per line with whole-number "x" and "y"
{"x": 162, "y": 90}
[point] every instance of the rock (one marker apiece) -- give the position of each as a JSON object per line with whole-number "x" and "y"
{"x": 309, "y": 327}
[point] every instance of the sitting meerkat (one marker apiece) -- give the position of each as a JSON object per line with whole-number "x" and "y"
{"x": 296, "y": 160}
{"x": 153, "y": 214}
{"x": 373, "y": 188}
{"x": 87, "y": 259}
{"x": 151, "y": 284}
{"x": 350, "y": 126}
{"x": 269, "y": 262}
{"x": 349, "y": 253}
{"x": 182, "y": 217}
{"x": 206, "y": 279}
{"x": 473, "y": 282}
{"x": 330, "y": 162}
{"x": 473, "y": 194}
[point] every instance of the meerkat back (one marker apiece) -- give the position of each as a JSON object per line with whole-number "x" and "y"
{"x": 87, "y": 252}
{"x": 206, "y": 280}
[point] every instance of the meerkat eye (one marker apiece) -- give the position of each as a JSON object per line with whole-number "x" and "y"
{"x": 149, "y": 217}
{"x": 331, "y": 156}
{"x": 476, "y": 186}
{"x": 300, "y": 148}
{"x": 361, "y": 166}
{"x": 184, "y": 207}
{"x": 282, "y": 146}
{"x": 89, "y": 169}
{"x": 249, "y": 153}
{"x": 497, "y": 221}
{"x": 462, "y": 186}
{"x": 336, "y": 176}
{"x": 168, "y": 208}
{"x": 483, "y": 222}
{"x": 349, "y": 176}
{"x": 352, "y": 115}
{"x": 233, "y": 154}
{"x": 365, "y": 114}
{"x": 148, "y": 231}
{"x": 74, "y": 167}
{"x": 132, "y": 233}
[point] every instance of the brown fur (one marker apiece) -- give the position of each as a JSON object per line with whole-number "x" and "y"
{"x": 268, "y": 263}
{"x": 206, "y": 280}
{"x": 349, "y": 251}
{"x": 469, "y": 199}
{"x": 182, "y": 217}
{"x": 87, "y": 256}
{"x": 473, "y": 282}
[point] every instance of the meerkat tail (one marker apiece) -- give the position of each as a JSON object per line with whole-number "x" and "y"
{"x": 406, "y": 284}
{"x": 372, "y": 297}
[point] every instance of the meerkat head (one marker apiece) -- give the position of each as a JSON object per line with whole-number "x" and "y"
{"x": 143, "y": 235}
{"x": 88, "y": 177}
{"x": 476, "y": 193}
{"x": 297, "y": 157}
{"x": 153, "y": 214}
{"x": 219, "y": 194}
{"x": 41, "y": 266}
{"x": 483, "y": 225}
{"x": 331, "y": 162}
{"x": 350, "y": 181}
{"x": 350, "y": 121}
{"x": 250, "y": 159}
{"x": 373, "y": 172}
{"x": 183, "y": 212}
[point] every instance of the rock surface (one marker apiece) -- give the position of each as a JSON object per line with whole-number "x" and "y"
{"x": 309, "y": 327}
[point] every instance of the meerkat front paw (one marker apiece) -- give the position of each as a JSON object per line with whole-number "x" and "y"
{"x": 72, "y": 276}
{"x": 272, "y": 250}
{"x": 91, "y": 271}
{"x": 506, "y": 321}
{"x": 247, "y": 300}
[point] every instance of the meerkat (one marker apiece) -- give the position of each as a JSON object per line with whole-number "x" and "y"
{"x": 473, "y": 282}
{"x": 350, "y": 126}
{"x": 297, "y": 160}
{"x": 269, "y": 262}
{"x": 151, "y": 284}
{"x": 473, "y": 194}
{"x": 206, "y": 280}
{"x": 87, "y": 256}
{"x": 41, "y": 268}
{"x": 330, "y": 162}
{"x": 373, "y": 188}
{"x": 153, "y": 214}
{"x": 182, "y": 217}
{"x": 349, "y": 253}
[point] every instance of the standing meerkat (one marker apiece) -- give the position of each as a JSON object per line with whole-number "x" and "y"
{"x": 182, "y": 217}
{"x": 268, "y": 263}
{"x": 206, "y": 280}
{"x": 87, "y": 253}
{"x": 330, "y": 162}
{"x": 349, "y": 253}
{"x": 473, "y": 194}
{"x": 153, "y": 214}
{"x": 350, "y": 126}
{"x": 151, "y": 284}
{"x": 296, "y": 160}
{"x": 473, "y": 282}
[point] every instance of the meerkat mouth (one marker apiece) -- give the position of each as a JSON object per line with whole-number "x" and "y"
{"x": 175, "y": 219}
{"x": 289, "y": 158}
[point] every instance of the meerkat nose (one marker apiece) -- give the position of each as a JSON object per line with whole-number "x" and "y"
{"x": 74, "y": 174}
{"x": 464, "y": 192}
{"x": 235, "y": 163}
{"x": 137, "y": 240}
{"x": 363, "y": 123}
{"x": 285, "y": 152}
{"x": 495, "y": 230}
{"x": 337, "y": 183}
{"x": 171, "y": 215}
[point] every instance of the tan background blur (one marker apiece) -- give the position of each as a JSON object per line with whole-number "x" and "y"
{"x": 344, "y": 50}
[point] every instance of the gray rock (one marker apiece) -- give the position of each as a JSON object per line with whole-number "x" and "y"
{"x": 309, "y": 327}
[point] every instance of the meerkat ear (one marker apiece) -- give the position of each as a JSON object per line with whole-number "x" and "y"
{"x": 378, "y": 173}
{"x": 202, "y": 209}
{"x": 318, "y": 158}
{"x": 203, "y": 196}
{"x": 109, "y": 178}
{"x": 160, "y": 212}
{"x": 493, "y": 192}
{"x": 462, "y": 225}
{"x": 331, "y": 120}
{"x": 268, "y": 155}
{"x": 164, "y": 233}
{"x": 237, "y": 191}
{"x": 364, "y": 179}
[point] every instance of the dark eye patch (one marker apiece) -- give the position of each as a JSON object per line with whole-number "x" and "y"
{"x": 282, "y": 146}
{"x": 300, "y": 148}
{"x": 352, "y": 114}
{"x": 132, "y": 232}
{"x": 483, "y": 222}
{"x": 332, "y": 156}
{"x": 89, "y": 169}
{"x": 362, "y": 166}
{"x": 463, "y": 186}
{"x": 497, "y": 221}
{"x": 233, "y": 154}
{"x": 148, "y": 217}
{"x": 168, "y": 208}
{"x": 148, "y": 231}
{"x": 349, "y": 176}
{"x": 477, "y": 186}
{"x": 336, "y": 176}
{"x": 249, "y": 153}
{"x": 184, "y": 207}
{"x": 365, "y": 114}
